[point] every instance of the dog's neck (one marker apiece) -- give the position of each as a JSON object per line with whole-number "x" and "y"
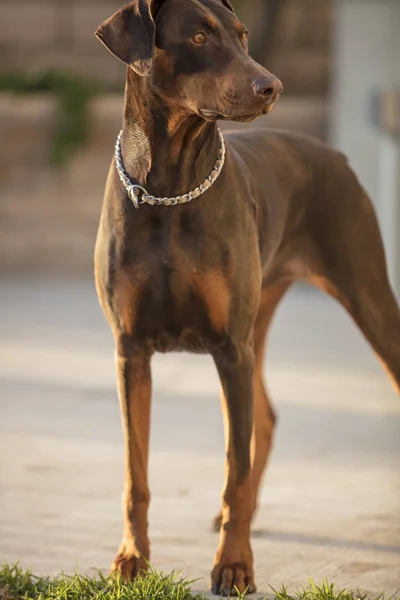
{"x": 164, "y": 148}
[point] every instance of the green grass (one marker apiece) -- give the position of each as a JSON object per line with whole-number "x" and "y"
{"x": 17, "y": 583}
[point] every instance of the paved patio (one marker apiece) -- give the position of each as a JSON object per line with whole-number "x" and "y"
{"x": 331, "y": 500}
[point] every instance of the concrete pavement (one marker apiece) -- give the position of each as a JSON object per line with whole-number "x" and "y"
{"x": 331, "y": 500}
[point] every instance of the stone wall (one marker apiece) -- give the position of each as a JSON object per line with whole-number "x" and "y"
{"x": 42, "y": 34}
{"x": 48, "y": 218}
{"x": 39, "y": 34}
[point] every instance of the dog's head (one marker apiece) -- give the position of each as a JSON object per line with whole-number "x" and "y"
{"x": 195, "y": 53}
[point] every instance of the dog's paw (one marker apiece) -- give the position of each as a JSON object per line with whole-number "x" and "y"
{"x": 229, "y": 580}
{"x": 129, "y": 566}
{"x": 216, "y": 523}
{"x": 233, "y": 571}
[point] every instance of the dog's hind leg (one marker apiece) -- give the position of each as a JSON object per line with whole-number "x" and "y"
{"x": 352, "y": 268}
{"x": 264, "y": 417}
{"x": 375, "y": 312}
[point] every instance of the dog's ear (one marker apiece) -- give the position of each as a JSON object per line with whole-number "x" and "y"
{"x": 129, "y": 35}
{"x": 227, "y": 4}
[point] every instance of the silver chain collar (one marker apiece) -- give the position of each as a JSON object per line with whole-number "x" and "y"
{"x": 139, "y": 195}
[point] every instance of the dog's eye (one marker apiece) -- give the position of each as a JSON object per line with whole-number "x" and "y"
{"x": 199, "y": 38}
{"x": 245, "y": 37}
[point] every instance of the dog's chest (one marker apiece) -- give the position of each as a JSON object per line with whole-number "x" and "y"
{"x": 170, "y": 307}
{"x": 171, "y": 289}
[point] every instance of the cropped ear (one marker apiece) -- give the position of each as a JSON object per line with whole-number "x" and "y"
{"x": 129, "y": 35}
{"x": 227, "y": 4}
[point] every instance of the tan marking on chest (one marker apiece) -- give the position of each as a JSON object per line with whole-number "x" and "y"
{"x": 128, "y": 288}
{"x": 213, "y": 289}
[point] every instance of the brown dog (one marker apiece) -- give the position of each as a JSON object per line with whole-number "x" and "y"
{"x": 205, "y": 272}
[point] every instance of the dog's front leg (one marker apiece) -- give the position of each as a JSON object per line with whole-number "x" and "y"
{"x": 234, "y": 561}
{"x": 134, "y": 389}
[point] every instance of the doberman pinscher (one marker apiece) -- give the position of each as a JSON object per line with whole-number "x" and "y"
{"x": 199, "y": 240}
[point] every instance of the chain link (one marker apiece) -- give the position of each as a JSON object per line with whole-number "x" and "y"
{"x": 139, "y": 195}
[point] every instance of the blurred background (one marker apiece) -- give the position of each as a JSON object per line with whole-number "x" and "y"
{"x": 331, "y": 502}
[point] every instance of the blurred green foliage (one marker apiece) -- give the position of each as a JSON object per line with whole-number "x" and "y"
{"x": 73, "y": 95}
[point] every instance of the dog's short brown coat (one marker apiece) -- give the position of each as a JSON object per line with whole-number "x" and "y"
{"x": 207, "y": 276}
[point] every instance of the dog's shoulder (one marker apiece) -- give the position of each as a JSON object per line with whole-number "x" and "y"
{"x": 284, "y": 141}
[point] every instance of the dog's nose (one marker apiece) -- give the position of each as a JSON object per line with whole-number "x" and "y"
{"x": 270, "y": 88}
